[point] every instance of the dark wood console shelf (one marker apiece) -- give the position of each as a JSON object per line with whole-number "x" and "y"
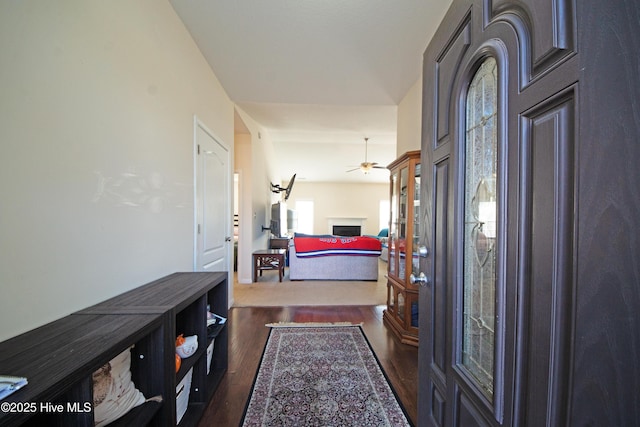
{"x": 58, "y": 359}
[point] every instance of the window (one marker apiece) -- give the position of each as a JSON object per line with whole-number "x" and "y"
{"x": 479, "y": 286}
{"x": 304, "y": 209}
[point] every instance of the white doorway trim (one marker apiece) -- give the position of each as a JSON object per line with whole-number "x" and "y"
{"x": 226, "y": 225}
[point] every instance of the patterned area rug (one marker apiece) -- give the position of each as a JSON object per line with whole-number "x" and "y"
{"x": 323, "y": 375}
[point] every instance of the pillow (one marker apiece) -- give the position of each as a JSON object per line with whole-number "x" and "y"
{"x": 114, "y": 394}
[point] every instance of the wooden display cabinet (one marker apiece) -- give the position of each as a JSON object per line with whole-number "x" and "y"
{"x": 401, "y": 314}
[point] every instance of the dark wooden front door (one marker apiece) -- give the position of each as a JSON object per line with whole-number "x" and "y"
{"x": 509, "y": 315}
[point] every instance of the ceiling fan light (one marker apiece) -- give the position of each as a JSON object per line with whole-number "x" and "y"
{"x": 366, "y": 166}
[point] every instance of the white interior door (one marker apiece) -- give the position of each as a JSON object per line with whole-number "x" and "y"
{"x": 213, "y": 202}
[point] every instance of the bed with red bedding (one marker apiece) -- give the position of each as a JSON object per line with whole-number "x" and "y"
{"x": 334, "y": 258}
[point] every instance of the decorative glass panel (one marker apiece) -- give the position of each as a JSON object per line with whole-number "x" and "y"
{"x": 480, "y": 209}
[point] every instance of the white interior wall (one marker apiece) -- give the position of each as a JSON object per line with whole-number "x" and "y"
{"x": 257, "y": 160}
{"x": 243, "y": 162}
{"x": 346, "y": 200}
{"x": 96, "y": 172}
{"x": 410, "y": 120}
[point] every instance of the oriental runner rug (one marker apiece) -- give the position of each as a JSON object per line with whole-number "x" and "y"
{"x": 321, "y": 375}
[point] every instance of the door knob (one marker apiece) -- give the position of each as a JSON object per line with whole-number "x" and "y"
{"x": 227, "y": 239}
{"x": 422, "y": 279}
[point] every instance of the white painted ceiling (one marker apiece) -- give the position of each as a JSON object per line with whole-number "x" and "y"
{"x": 318, "y": 75}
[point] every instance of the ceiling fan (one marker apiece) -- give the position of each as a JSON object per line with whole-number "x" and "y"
{"x": 366, "y": 166}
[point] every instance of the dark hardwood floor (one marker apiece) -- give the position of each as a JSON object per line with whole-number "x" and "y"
{"x": 248, "y": 336}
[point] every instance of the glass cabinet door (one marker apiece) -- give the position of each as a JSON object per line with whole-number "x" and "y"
{"x": 415, "y": 256}
{"x": 402, "y": 223}
{"x": 393, "y": 227}
{"x": 415, "y": 229}
{"x": 400, "y": 312}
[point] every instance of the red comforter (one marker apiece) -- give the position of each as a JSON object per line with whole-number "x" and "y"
{"x": 336, "y": 245}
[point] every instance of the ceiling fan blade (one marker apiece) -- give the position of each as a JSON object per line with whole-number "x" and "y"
{"x": 351, "y": 170}
{"x": 379, "y": 167}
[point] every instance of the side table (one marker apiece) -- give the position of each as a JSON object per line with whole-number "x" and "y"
{"x": 268, "y": 259}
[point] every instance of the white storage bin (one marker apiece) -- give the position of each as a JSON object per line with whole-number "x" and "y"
{"x": 209, "y": 356}
{"x": 182, "y": 395}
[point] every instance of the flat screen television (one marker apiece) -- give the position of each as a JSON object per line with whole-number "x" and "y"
{"x": 287, "y": 190}
{"x": 292, "y": 220}
{"x": 275, "y": 228}
{"x": 279, "y": 219}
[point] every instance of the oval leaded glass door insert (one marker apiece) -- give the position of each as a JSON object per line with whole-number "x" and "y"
{"x": 481, "y": 159}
